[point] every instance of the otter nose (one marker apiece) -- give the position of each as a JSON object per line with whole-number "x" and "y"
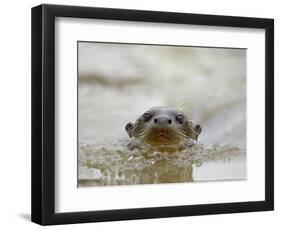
{"x": 162, "y": 120}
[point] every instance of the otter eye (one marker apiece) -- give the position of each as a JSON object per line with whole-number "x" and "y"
{"x": 147, "y": 116}
{"x": 180, "y": 118}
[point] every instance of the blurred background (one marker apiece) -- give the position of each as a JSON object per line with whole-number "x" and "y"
{"x": 119, "y": 82}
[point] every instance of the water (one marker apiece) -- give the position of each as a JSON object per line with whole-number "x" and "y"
{"x": 114, "y": 164}
{"x": 117, "y": 83}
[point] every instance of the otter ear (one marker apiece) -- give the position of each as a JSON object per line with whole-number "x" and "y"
{"x": 194, "y": 131}
{"x": 197, "y": 130}
{"x": 129, "y": 128}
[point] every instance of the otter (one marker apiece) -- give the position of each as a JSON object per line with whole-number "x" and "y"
{"x": 162, "y": 129}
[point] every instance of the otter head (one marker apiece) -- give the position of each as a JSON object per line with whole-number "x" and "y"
{"x": 162, "y": 128}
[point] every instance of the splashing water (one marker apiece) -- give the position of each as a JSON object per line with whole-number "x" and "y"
{"x": 114, "y": 164}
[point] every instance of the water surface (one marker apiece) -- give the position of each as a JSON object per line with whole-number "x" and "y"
{"x": 114, "y": 164}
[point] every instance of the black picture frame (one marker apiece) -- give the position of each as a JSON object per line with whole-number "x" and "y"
{"x": 43, "y": 114}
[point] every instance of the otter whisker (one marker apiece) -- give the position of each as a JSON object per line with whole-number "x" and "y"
{"x": 139, "y": 132}
{"x": 185, "y": 135}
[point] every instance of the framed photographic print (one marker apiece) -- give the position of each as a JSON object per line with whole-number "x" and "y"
{"x": 144, "y": 114}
